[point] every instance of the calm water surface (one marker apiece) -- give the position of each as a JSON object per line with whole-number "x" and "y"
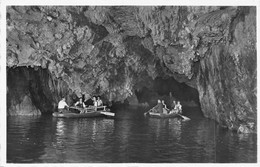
{"x": 127, "y": 138}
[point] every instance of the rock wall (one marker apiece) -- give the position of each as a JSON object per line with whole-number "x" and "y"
{"x": 114, "y": 50}
{"x": 76, "y": 50}
{"x": 227, "y": 76}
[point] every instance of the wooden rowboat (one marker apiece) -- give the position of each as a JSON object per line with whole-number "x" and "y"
{"x": 172, "y": 114}
{"x": 90, "y": 109}
{"x": 77, "y": 115}
{"x": 84, "y": 113}
{"x": 160, "y": 115}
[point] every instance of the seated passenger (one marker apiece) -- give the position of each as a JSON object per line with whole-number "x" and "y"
{"x": 95, "y": 101}
{"x": 178, "y": 107}
{"x": 165, "y": 109}
{"x": 173, "y": 108}
{"x": 80, "y": 103}
{"x": 99, "y": 101}
{"x": 173, "y": 104}
{"x": 89, "y": 102}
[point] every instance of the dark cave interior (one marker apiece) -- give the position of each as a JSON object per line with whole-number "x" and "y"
{"x": 45, "y": 91}
{"x": 163, "y": 87}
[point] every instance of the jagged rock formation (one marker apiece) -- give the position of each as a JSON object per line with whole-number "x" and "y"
{"x": 227, "y": 75}
{"x": 114, "y": 50}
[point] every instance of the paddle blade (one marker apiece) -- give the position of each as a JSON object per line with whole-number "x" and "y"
{"x": 108, "y": 113}
{"x": 184, "y": 117}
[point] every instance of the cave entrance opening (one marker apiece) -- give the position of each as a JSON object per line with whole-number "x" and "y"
{"x": 168, "y": 89}
{"x": 31, "y": 91}
{"x": 164, "y": 88}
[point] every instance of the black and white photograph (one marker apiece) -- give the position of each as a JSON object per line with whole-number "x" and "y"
{"x": 129, "y": 83}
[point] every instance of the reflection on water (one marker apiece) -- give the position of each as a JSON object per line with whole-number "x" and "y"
{"x": 128, "y": 138}
{"x": 169, "y": 128}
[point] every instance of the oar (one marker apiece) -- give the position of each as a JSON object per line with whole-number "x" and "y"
{"x": 76, "y": 108}
{"x": 148, "y": 111}
{"x": 73, "y": 107}
{"x": 107, "y": 113}
{"x": 184, "y": 117}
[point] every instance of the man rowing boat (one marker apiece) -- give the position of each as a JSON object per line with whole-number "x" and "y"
{"x": 63, "y": 106}
{"x": 158, "y": 108}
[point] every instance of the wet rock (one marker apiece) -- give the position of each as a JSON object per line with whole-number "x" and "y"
{"x": 58, "y": 35}
{"x": 25, "y": 107}
{"x": 11, "y": 58}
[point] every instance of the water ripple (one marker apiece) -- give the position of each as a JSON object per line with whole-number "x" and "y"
{"x": 128, "y": 138}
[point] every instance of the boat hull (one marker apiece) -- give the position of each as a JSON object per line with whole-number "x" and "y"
{"x": 75, "y": 115}
{"x": 84, "y": 113}
{"x": 90, "y": 109}
{"x": 161, "y": 115}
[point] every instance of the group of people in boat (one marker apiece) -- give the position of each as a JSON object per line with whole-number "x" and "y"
{"x": 92, "y": 103}
{"x": 161, "y": 107}
{"x": 95, "y": 101}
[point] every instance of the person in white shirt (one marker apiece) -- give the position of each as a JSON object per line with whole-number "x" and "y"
{"x": 99, "y": 101}
{"x": 62, "y": 106}
{"x": 95, "y": 101}
{"x": 178, "y": 107}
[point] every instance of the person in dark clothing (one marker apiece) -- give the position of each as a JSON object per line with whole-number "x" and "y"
{"x": 80, "y": 103}
{"x": 165, "y": 109}
{"x": 89, "y": 102}
{"x": 159, "y": 107}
